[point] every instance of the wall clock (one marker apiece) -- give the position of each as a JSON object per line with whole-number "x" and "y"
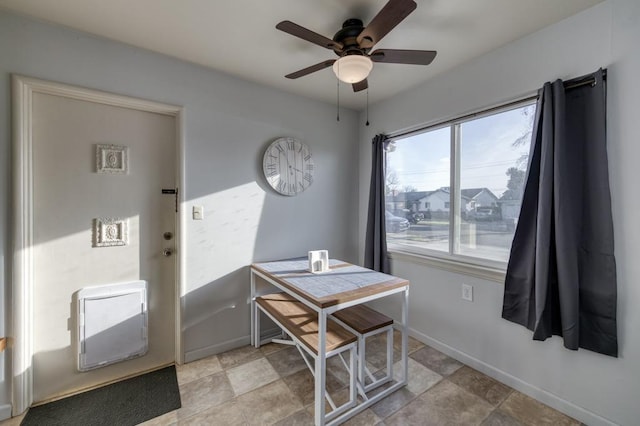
{"x": 288, "y": 166}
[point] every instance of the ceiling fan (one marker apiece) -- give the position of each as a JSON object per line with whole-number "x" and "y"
{"x": 353, "y": 43}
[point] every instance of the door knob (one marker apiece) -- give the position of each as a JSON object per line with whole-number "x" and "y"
{"x": 167, "y": 252}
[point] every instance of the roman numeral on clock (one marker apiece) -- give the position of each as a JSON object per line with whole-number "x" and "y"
{"x": 271, "y": 170}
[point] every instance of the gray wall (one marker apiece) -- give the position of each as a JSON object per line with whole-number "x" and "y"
{"x": 228, "y": 125}
{"x": 593, "y": 388}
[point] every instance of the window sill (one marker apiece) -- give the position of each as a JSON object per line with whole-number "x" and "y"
{"x": 487, "y": 272}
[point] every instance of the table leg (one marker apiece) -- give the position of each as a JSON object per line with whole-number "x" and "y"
{"x": 321, "y": 369}
{"x": 253, "y": 308}
{"x": 405, "y": 335}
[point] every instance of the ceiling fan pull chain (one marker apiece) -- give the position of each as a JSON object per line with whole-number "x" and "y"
{"x": 367, "y": 123}
{"x": 338, "y": 100}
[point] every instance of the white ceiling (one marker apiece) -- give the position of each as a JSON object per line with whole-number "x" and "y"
{"x": 239, "y": 36}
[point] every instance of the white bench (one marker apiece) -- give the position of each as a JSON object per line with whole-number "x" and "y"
{"x": 300, "y": 323}
{"x": 365, "y": 322}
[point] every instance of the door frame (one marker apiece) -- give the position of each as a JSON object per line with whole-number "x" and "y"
{"x": 23, "y": 89}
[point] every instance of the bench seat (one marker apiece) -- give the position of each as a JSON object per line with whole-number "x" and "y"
{"x": 302, "y": 322}
{"x": 363, "y": 319}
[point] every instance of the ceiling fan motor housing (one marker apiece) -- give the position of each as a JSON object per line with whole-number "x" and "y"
{"x": 347, "y": 35}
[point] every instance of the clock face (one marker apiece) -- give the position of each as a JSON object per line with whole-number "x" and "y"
{"x": 288, "y": 166}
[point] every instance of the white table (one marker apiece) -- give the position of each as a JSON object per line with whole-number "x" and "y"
{"x": 342, "y": 286}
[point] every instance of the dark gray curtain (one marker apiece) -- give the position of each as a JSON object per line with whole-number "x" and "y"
{"x": 375, "y": 248}
{"x": 561, "y": 276}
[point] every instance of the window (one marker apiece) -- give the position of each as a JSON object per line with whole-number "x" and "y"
{"x": 460, "y": 185}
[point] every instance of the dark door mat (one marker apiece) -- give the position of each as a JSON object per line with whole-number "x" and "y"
{"x": 124, "y": 403}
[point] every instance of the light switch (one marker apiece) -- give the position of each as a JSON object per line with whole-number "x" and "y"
{"x": 198, "y": 213}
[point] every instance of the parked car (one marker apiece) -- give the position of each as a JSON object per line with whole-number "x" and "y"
{"x": 395, "y": 224}
{"x": 485, "y": 214}
{"x": 412, "y": 217}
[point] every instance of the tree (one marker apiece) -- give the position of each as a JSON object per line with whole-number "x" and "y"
{"x": 515, "y": 185}
{"x": 525, "y": 138}
{"x": 517, "y": 174}
{"x": 409, "y": 188}
{"x": 392, "y": 183}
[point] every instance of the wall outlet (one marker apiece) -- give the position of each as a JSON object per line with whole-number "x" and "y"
{"x": 467, "y": 292}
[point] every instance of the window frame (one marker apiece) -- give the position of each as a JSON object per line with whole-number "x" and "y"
{"x": 452, "y": 260}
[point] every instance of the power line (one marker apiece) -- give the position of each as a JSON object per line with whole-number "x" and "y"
{"x": 446, "y": 170}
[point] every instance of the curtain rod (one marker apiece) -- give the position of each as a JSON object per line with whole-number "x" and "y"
{"x": 592, "y": 81}
{"x": 568, "y": 85}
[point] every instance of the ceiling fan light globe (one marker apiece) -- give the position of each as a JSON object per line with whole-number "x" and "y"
{"x": 352, "y": 68}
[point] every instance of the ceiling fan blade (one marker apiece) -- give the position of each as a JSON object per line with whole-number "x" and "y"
{"x": 361, "y": 85}
{"x": 308, "y": 35}
{"x": 313, "y": 68}
{"x": 391, "y": 15}
{"x": 399, "y": 56}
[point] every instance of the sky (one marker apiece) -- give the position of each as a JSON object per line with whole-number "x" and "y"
{"x": 486, "y": 144}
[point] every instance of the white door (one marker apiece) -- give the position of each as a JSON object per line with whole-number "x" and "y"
{"x": 69, "y": 195}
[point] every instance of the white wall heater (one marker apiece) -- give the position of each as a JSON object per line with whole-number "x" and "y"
{"x": 112, "y": 324}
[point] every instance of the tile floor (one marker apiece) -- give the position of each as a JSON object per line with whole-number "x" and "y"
{"x": 272, "y": 386}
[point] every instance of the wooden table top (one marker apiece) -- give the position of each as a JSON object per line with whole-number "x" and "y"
{"x": 343, "y": 282}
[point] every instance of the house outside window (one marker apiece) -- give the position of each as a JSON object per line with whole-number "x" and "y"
{"x": 468, "y": 215}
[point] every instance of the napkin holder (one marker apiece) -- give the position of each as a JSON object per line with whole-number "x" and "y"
{"x": 318, "y": 261}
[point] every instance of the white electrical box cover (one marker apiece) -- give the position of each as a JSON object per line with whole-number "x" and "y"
{"x": 112, "y": 324}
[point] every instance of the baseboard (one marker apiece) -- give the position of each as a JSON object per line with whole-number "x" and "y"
{"x": 5, "y": 412}
{"x": 223, "y": 347}
{"x": 216, "y": 349}
{"x": 554, "y": 401}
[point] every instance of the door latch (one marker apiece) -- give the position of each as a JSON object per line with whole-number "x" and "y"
{"x": 174, "y": 192}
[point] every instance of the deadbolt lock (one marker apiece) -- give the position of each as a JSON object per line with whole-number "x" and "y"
{"x": 167, "y": 235}
{"x": 167, "y": 252}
